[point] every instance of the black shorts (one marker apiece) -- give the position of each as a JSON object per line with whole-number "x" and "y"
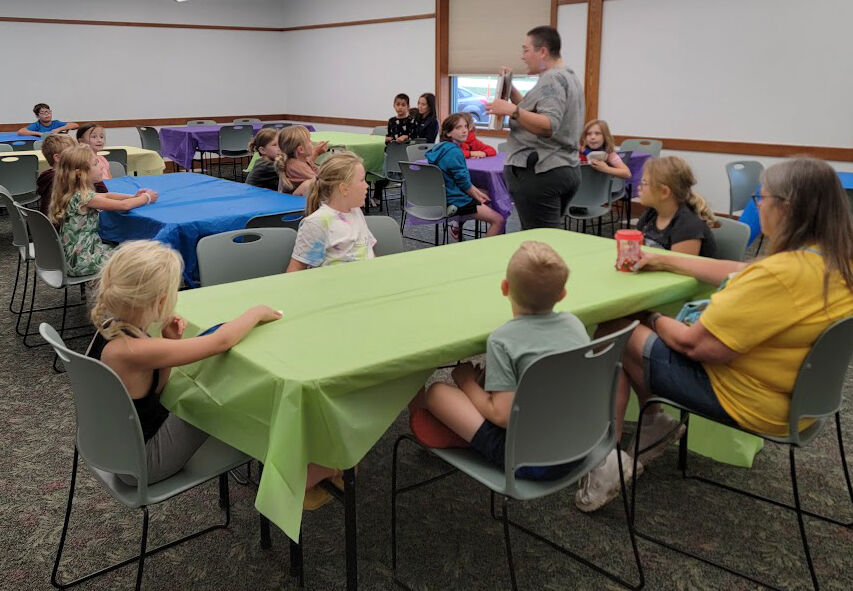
{"x": 469, "y": 208}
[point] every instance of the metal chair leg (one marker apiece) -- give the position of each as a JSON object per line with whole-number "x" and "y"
{"x": 800, "y": 522}
{"x": 505, "y": 519}
{"x": 54, "y": 580}
{"x": 843, "y": 461}
{"x": 142, "y": 546}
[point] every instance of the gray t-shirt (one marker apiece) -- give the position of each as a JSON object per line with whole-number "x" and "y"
{"x": 559, "y": 95}
{"x": 512, "y": 347}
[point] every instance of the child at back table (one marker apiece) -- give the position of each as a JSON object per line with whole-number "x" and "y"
{"x": 334, "y": 230}
{"x": 93, "y": 135}
{"x": 596, "y": 137}
{"x": 263, "y": 174}
{"x": 74, "y": 207}
{"x": 295, "y": 161}
{"x": 45, "y": 123}
{"x": 472, "y": 147}
{"x": 479, "y": 413}
{"x": 465, "y": 197}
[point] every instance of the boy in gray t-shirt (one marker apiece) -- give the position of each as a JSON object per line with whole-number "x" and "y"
{"x": 535, "y": 281}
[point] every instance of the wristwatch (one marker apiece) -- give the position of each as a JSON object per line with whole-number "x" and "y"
{"x": 653, "y": 318}
{"x": 515, "y": 113}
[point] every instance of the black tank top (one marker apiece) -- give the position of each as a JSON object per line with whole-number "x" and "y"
{"x": 151, "y": 412}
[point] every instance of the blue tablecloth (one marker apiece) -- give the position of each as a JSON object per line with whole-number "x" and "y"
{"x": 11, "y": 136}
{"x": 750, "y": 212}
{"x": 190, "y": 207}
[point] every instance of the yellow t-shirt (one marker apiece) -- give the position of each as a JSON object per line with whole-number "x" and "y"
{"x": 770, "y": 313}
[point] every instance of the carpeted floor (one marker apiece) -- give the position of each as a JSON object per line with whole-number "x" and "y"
{"x": 448, "y": 540}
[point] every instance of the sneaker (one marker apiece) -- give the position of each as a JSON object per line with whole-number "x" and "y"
{"x": 601, "y": 485}
{"x": 316, "y": 497}
{"x": 659, "y": 430}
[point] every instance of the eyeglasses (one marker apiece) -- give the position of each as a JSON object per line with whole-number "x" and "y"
{"x": 644, "y": 183}
{"x": 45, "y": 112}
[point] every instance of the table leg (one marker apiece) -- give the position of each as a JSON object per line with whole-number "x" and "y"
{"x": 351, "y": 534}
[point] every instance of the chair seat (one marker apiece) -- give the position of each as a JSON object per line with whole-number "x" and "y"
{"x": 586, "y": 212}
{"x": 235, "y": 153}
{"x": 426, "y": 212}
{"x": 477, "y": 467}
{"x": 54, "y": 278}
{"x": 212, "y": 459}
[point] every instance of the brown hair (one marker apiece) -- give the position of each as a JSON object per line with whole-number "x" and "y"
{"x": 536, "y": 275}
{"x": 39, "y": 107}
{"x": 263, "y": 138}
{"x": 448, "y": 124}
{"x": 132, "y": 284}
{"x": 54, "y": 144}
{"x": 86, "y": 128}
{"x": 289, "y": 139}
{"x": 336, "y": 170}
{"x": 72, "y": 176}
{"x": 609, "y": 143}
{"x": 468, "y": 118}
{"x": 818, "y": 213}
{"x": 547, "y": 37}
{"x": 674, "y": 172}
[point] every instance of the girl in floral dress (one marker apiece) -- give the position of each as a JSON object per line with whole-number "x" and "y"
{"x": 74, "y": 209}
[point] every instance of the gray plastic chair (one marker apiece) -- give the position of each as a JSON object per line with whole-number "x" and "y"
{"x": 380, "y": 130}
{"x": 51, "y": 267}
{"x": 417, "y": 152}
{"x": 425, "y": 197}
{"x": 26, "y": 252}
{"x": 563, "y": 412}
{"x": 246, "y": 120}
{"x": 115, "y": 155}
{"x": 37, "y": 144}
{"x": 283, "y": 219}
{"x": 744, "y": 180}
{"x": 117, "y": 170}
{"x": 592, "y": 200}
{"x": 643, "y": 146}
{"x": 23, "y": 145}
{"x": 233, "y": 143}
{"x": 244, "y": 254}
{"x": 277, "y": 125}
{"x": 389, "y": 240}
{"x": 192, "y": 122}
{"x": 6, "y": 148}
{"x": 149, "y": 138}
{"x": 18, "y": 173}
{"x": 732, "y": 238}
{"x": 109, "y": 439}
{"x": 817, "y": 394}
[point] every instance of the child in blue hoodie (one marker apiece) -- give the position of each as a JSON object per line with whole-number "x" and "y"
{"x": 468, "y": 199}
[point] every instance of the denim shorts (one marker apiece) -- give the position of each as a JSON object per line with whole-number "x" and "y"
{"x": 670, "y": 374}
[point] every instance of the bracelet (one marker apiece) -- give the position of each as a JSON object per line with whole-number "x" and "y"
{"x": 515, "y": 113}
{"x": 653, "y": 319}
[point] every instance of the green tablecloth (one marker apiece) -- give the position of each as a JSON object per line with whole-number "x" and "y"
{"x": 357, "y": 341}
{"x": 371, "y": 148}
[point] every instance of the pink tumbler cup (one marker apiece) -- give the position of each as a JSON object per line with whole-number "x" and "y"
{"x": 628, "y": 243}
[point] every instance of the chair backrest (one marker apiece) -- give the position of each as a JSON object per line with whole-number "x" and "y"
{"x": 117, "y": 169}
{"x": 424, "y": 188}
{"x": 18, "y": 173}
{"x": 394, "y": 154}
{"x": 23, "y": 145}
{"x": 109, "y": 436}
{"x": 37, "y": 144}
{"x": 380, "y": 130}
{"x": 235, "y": 138}
{"x": 244, "y": 254}
{"x": 416, "y": 152}
{"x": 149, "y": 138}
{"x": 732, "y": 238}
{"x": 643, "y": 146}
{"x": 115, "y": 155}
{"x": 283, "y": 219}
{"x": 20, "y": 236}
{"x": 564, "y": 405}
{"x": 201, "y": 122}
{"x": 6, "y": 148}
{"x": 625, "y": 155}
{"x": 277, "y": 125}
{"x": 744, "y": 179}
{"x": 245, "y": 120}
{"x": 594, "y": 190}
{"x": 818, "y": 390}
{"x": 50, "y": 258}
{"x": 502, "y": 147}
{"x": 386, "y": 230}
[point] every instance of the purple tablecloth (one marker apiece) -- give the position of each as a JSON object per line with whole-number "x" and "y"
{"x": 635, "y": 165}
{"x": 181, "y": 143}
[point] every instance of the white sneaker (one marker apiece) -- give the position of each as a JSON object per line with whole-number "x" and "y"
{"x": 601, "y": 485}
{"x": 658, "y": 427}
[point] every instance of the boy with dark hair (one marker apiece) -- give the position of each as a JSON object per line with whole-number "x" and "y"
{"x": 45, "y": 123}
{"x": 401, "y": 125}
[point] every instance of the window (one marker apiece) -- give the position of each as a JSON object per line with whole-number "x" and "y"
{"x": 469, "y": 94}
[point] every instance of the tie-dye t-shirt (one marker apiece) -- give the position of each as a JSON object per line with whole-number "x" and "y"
{"x": 328, "y": 236}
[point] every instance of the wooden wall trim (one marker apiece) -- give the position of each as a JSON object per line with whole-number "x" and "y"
{"x": 561, "y": 2}
{"x": 592, "y": 70}
{"x": 57, "y": 21}
{"x": 442, "y": 58}
{"x": 554, "y": 6}
{"x": 750, "y": 148}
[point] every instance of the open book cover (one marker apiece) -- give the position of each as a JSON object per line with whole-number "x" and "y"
{"x": 503, "y": 91}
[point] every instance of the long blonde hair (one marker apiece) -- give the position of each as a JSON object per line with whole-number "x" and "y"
{"x": 289, "y": 139}
{"x": 337, "y": 170}
{"x": 72, "y": 176}
{"x": 675, "y": 173}
{"x": 140, "y": 280}
{"x": 263, "y": 138}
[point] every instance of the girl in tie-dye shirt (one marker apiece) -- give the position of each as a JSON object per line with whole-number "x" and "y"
{"x": 334, "y": 230}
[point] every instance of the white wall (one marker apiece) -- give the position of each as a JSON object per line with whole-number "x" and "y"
{"x": 312, "y": 12}
{"x": 571, "y": 23}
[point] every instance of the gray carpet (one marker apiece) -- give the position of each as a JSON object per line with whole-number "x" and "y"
{"x": 448, "y": 540}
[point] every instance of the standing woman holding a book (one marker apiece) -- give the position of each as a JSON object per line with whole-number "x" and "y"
{"x": 541, "y": 170}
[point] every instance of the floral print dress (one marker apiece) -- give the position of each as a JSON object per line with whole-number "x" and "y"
{"x": 85, "y": 254}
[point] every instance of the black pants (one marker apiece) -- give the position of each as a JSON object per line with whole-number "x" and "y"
{"x": 541, "y": 199}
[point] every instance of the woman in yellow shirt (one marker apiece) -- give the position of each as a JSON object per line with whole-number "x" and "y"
{"x": 739, "y": 361}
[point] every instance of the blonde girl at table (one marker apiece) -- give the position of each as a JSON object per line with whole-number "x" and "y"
{"x": 596, "y": 137}
{"x": 334, "y": 230}
{"x": 295, "y": 162}
{"x": 264, "y": 174}
{"x": 738, "y": 362}
{"x": 74, "y": 207}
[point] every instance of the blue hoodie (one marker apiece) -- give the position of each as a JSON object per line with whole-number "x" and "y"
{"x": 449, "y": 158}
